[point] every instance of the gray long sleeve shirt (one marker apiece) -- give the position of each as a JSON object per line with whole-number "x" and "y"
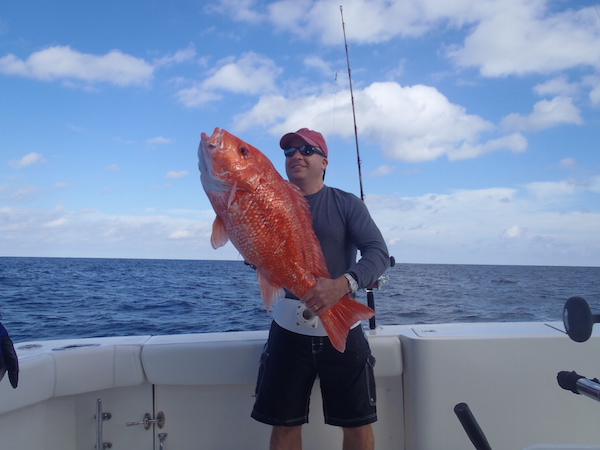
{"x": 344, "y": 227}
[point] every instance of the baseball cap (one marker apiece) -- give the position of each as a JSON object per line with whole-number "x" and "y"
{"x": 310, "y": 137}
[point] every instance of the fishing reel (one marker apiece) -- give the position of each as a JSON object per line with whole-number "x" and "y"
{"x": 579, "y": 322}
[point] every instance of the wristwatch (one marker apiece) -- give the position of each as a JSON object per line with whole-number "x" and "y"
{"x": 352, "y": 284}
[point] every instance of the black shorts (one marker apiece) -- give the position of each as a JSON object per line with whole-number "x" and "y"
{"x": 289, "y": 366}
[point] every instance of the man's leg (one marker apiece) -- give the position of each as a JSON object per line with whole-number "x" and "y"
{"x": 359, "y": 438}
{"x": 286, "y": 438}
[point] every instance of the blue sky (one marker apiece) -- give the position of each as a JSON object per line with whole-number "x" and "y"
{"x": 477, "y": 121}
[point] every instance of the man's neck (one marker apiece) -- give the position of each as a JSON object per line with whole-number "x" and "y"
{"x": 310, "y": 188}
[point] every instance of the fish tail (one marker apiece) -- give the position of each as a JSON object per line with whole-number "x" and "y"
{"x": 339, "y": 319}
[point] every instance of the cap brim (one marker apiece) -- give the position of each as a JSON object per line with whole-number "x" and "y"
{"x": 286, "y": 140}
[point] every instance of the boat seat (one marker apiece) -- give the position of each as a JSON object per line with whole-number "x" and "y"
{"x": 91, "y": 369}
{"x": 60, "y": 368}
{"x": 201, "y": 362}
{"x": 192, "y": 360}
{"x": 36, "y": 384}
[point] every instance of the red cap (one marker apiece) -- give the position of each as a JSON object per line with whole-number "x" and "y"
{"x": 309, "y": 137}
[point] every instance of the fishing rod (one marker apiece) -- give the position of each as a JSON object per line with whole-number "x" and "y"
{"x": 369, "y": 290}
{"x": 358, "y": 161}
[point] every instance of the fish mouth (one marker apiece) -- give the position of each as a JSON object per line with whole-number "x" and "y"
{"x": 209, "y": 145}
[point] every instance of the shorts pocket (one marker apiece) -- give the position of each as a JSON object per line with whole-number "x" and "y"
{"x": 261, "y": 370}
{"x": 370, "y": 364}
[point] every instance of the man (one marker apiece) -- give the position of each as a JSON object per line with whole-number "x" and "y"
{"x": 293, "y": 355}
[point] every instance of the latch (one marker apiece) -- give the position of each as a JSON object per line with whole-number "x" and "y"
{"x": 148, "y": 421}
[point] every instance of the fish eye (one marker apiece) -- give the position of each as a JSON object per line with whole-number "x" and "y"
{"x": 245, "y": 152}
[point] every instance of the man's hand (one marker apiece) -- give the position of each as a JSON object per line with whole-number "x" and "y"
{"x": 325, "y": 294}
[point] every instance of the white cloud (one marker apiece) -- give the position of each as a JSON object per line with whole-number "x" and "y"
{"x": 514, "y": 232}
{"x": 593, "y": 82}
{"x": 412, "y": 123}
{"x": 21, "y": 194}
{"x": 557, "y": 86}
{"x": 180, "y": 234}
{"x": 172, "y": 175}
{"x": 546, "y": 114}
{"x": 159, "y": 140}
{"x": 555, "y": 41}
{"x": 496, "y": 30}
{"x": 567, "y": 163}
{"x": 63, "y": 232}
{"x": 383, "y": 170}
{"x": 29, "y": 159}
{"x": 64, "y": 63}
{"x": 251, "y": 74}
{"x": 594, "y": 184}
{"x": 366, "y": 22}
{"x": 178, "y": 57}
{"x": 315, "y": 62}
{"x": 553, "y": 190}
{"x": 113, "y": 168}
{"x": 480, "y": 226}
{"x": 238, "y": 10}
{"x": 196, "y": 96}
{"x": 56, "y": 223}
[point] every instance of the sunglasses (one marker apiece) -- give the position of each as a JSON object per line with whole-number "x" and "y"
{"x": 305, "y": 150}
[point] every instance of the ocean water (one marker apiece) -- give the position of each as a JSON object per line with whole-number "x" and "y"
{"x": 59, "y": 298}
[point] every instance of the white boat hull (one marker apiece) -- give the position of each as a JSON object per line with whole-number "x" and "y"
{"x": 204, "y": 385}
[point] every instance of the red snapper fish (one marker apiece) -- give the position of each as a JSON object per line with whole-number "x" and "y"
{"x": 268, "y": 220}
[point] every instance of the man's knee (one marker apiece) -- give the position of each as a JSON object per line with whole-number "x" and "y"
{"x": 286, "y": 438}
{"x": 359, "y": 438}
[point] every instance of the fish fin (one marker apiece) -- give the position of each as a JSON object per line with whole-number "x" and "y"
{"x": 270, "y": 293}
{"x": 219, "y": 235}
{"x": 339, "y": 319}
{"x": 232, "y": 195}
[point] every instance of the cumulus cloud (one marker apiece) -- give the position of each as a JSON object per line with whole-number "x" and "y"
{"x": 251, "y": 74}
{"x": 29, "y": 159}
{"x": 552, "y": 189}
{"x": 514, "y": 232}
{"x": 383, "y": 170}
{"x": 546, "y": 114}
{"x": 178, "y": 57}
{"x": 566, "y": 163}
{"x": 495, "y": 225}
{"x": 593, "y": 82}
{"x": 64, "y": 63}
{"x": 412, "y": 123}
{"x": 180, "y": 234}
{"x": 555, "y": 41}
{"x": 557, "y": 86}
{"x": 496, "y": 30}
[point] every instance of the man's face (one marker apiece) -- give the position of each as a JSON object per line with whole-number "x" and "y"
{"x": 301, "y": 168}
